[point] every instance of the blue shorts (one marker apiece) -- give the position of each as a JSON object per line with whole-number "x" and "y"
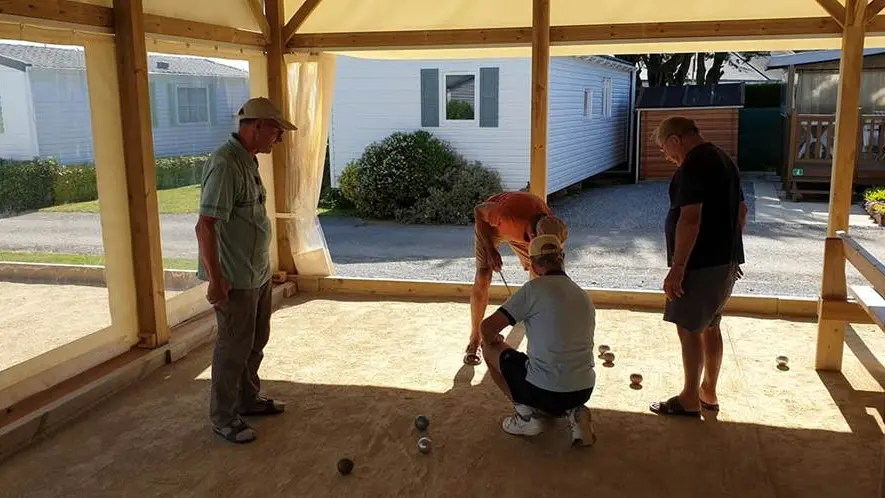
{"x": 513, "y": 369}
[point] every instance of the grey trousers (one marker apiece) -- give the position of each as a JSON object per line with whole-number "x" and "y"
{"x": 243, "y": 331}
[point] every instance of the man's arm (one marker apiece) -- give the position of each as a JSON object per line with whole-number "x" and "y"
{"x": 742, "y": 215}
{"x": 687, "y": 229}
{"x": 493, "y": 325}
{"x": 207, "y": 246}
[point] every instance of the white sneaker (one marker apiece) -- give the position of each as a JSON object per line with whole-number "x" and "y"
{"x": 522, "y": 425}
{"x": 580, "y": 423}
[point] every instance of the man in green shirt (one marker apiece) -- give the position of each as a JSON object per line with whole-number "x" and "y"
{"x": 234, "y": 235}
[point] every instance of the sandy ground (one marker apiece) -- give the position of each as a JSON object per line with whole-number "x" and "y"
{"x": 28, "y": 329}
{"x": 356, "y": 373}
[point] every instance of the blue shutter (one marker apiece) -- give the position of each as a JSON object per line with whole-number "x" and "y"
{"x": 213, "y": 104}
{"x": 153, "y": 95}
{"x": 430, "y": 97}
{"x": 488, "y": 97}
{"x": 172, "y": 100}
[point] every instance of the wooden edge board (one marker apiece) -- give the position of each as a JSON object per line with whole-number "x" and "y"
{"x": 863, "y": 261}
{"x": 871, "y": 301}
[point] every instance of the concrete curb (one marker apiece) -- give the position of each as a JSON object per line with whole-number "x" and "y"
{"x": 93, "y": 276}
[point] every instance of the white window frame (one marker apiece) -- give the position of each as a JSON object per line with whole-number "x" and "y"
{"x": 606, "y": 97}
{"x": 588, "y": 104}
{"x": 178, "y": 103}
{"x": 2, "y": 123}
{"x": 444, "y": 99}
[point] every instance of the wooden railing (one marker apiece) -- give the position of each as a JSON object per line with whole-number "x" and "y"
{"x": 813, "y": 138}
{"x": 870, "y": 297}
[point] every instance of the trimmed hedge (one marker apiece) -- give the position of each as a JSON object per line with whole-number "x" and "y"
{"x": 42, "y": 182}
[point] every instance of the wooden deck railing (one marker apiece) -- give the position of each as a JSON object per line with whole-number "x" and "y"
{"x": 811, "y": 146}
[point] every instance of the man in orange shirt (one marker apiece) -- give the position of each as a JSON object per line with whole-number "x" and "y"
{"x": 511, "y": 217}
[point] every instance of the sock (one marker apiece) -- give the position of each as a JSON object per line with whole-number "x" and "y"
{"x": 525, "y": 412}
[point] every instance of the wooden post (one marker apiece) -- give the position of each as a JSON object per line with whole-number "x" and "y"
{"x": 141, "y": 181}
{"x": 831, "y": 333}
{"x": 540, "y": 77}
{"x": 277, "y": 81}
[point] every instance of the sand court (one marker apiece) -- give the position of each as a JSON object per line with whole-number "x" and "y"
{"x": 356, "y": 372}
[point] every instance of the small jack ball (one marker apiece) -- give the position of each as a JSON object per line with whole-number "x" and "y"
{"x": 422, "y": 422}
{"x": 782, "y": 360}
{"x": 345, "y": 466}
{"x": 425, "y": 444}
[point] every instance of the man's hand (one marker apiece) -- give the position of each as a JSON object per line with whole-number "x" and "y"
{"x": 217, "y": 294}
{"x": 673, "y": 282}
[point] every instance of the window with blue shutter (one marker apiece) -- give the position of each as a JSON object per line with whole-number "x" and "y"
{"x": 488, "y": 97}
{"x": 430, "y": 97}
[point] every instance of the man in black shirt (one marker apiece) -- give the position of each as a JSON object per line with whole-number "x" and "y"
{"x": 704, "y": 230}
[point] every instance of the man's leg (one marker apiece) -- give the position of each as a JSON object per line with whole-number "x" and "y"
{"x": 236, "y": 329}
{"x": 250, "y": 385}
{"x": 492, "y": 355}
{"x": 692, "y": 366}
{"x": 712, "y": 344}
{"x": 479, "y": 299}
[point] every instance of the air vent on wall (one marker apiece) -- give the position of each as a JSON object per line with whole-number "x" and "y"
{"x": 162, "y": 65}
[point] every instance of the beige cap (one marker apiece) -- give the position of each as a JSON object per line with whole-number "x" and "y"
{"x": 536, "y": 247}
{"x": 551, "y": 225}
{"x": 262, "y": 108}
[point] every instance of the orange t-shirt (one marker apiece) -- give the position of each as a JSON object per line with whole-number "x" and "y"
{"x": 513, "y": 213}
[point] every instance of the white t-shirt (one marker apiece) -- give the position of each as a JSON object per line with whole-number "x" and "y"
{"x": 559, "y": 321}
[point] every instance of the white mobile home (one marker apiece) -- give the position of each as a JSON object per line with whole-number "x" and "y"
{"x": 483, "y": 108}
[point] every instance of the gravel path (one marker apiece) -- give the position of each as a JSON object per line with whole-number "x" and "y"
{"x": 615, "y": 240}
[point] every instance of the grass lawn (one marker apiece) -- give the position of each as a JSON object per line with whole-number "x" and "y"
{"x": 182, "y": 200}
{"x": 83, "y": 259}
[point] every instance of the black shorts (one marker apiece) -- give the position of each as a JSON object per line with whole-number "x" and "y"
{"x": 513, "y": 368}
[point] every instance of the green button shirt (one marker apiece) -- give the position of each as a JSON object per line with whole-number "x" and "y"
{"x": 233, "y": 193}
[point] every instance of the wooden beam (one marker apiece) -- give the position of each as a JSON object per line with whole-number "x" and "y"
{"x": 843, "y": 311}
{"x": 540, "y": 83}
{"x": 577, "y": 34}
{"x": 277, "y": 80}
{"x": 138, "y": 151}
{"x": 298, "y": 19}
{"x": 867, "y": 264}
{"x": 835, "y": 9}
{"x": 873, "y": 10}
{"x": 260, "y": 18}
{"x": 872, "y": 302}
{"x": 101, "y": 19}
{"x": 831, "y": 333}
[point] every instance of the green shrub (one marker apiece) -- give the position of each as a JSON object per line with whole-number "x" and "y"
{"x": 25, "y": 185}
{"x": 179, "y": 171}
{"x": 453, "y": 201}
{"x": 874, "y": 194}
{"x": 459, "y": 109}
{"x": 74, "y": 183}
{"x": 332, "y": 198}
{"x": 395, "y": 173}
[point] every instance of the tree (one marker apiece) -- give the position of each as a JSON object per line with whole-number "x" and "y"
{"x": 672, "y": 69}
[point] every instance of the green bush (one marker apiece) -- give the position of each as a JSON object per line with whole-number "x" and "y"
{"x": 179, "y": 171}
{"x": 74, "y": 183}
{"x": 459, "y": 109}
{"x": 452, "y": 202}
{"x": 25, "y": 185}
{"x": 874, "y": 194}
{"x": 332, "y": 198}
{"x": 397, "y": 172}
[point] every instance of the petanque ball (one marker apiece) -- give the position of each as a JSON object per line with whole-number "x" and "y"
{"x": 345, "y": 466}
{"x": 422, "y": 423}
{"x": 425, "y": 444}
{"x": 604, "y": 348}
{"x": 636, "y": 378}
{"x": 608, "y": 356}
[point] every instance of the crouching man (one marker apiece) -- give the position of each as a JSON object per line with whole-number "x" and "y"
{"x": 556, "y": 377}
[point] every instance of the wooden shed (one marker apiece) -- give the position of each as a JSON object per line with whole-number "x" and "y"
{"x": 714, "y": 108}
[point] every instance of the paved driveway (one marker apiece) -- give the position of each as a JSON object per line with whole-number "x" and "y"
{"x": 616, "y": 240}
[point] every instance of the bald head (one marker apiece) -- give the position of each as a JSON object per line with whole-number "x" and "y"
{"x": 676, "y": 136}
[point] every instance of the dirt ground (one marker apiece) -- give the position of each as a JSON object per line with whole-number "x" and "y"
{"x": 37, "y": 318}
{"x": 356, "y": 373}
